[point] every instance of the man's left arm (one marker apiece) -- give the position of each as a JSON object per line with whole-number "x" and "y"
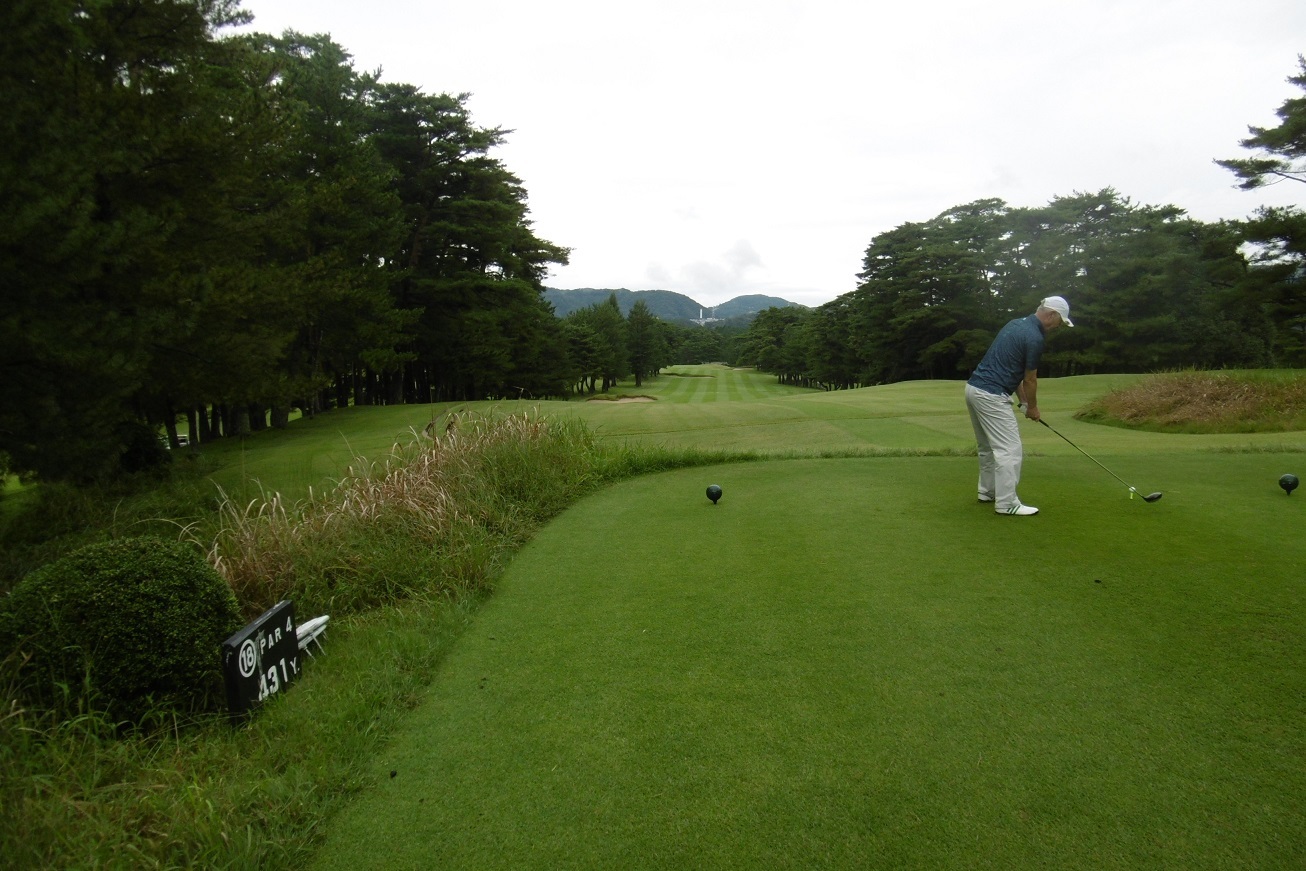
{"x": 1028, "y": 393}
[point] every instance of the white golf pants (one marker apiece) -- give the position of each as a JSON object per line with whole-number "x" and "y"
{"x": 997, "y": 435}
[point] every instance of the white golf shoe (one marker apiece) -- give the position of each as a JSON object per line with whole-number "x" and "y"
{"x": 1019, "y": 510}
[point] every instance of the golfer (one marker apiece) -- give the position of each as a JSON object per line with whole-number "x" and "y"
{"x": 1009, "y": 366}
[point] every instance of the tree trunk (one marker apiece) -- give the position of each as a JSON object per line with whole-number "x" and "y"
{"x": 170, "y": 424}
{"x": 369, "y": 387}
{"x": 411, "y": 375}
{"x": 342, "y": 390}
{"x": 280, "y": 416}
{"x": 423, "y": 385}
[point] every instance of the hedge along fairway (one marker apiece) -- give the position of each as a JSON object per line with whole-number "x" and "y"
{"x": 850, "y": 663}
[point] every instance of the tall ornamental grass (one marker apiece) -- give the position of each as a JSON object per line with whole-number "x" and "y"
{"x": 434, "y": 518}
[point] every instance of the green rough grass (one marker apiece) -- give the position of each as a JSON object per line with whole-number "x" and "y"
{"x": 848, "y": 663}
{"x": 77, "y": 795}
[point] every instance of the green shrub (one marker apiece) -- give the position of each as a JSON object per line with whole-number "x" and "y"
{"x": 124, "y": 626}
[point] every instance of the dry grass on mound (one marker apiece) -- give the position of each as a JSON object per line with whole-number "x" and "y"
{"x": 1206, "y": 402}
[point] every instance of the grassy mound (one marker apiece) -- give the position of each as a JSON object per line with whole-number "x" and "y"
{"x": 1206, "y": 402}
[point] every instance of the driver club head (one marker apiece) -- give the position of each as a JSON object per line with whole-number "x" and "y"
{"x": 1150, "y": 497}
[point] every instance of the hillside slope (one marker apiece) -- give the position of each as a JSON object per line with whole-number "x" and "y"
{"x": 665, "y": 304}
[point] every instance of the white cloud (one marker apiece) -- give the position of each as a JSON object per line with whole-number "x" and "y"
{"x": 741, "y": 257}
{"x": 717, "y": 279}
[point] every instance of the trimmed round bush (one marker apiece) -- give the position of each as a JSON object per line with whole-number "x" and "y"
{"x": 125, "y": 627}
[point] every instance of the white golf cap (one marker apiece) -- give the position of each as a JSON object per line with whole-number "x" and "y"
{"x": 1059, "y": 305}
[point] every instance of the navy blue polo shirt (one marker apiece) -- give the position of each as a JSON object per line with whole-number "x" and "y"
{"x": 1017, "y": 348}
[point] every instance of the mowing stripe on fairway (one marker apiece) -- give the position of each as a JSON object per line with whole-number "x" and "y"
{"x": 851, "y": 664}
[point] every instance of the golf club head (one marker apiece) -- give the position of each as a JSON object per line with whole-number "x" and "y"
{"x": 1152, "y": 497}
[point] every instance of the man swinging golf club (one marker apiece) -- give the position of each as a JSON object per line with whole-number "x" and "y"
{"x": 1009, "y": 366}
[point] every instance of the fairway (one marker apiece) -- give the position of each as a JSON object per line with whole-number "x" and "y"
{"x": 737, "y": 410}
{"x": 848, "y": 663}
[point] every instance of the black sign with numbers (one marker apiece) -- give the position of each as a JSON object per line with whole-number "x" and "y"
{"x": 261, "y": 660}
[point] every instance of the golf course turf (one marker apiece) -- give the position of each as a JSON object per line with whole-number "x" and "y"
{"x": 849, "y": 663}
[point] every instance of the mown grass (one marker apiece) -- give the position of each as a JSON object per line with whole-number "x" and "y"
{"x": 1206, "y": 402}
{"x": 850, "y": 664}
{"x": 200, "y": 794}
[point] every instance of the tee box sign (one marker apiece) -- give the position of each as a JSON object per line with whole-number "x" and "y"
{"x": 262, "y": 659}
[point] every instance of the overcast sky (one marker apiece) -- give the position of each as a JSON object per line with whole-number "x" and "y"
{"x": 718, "y": 148}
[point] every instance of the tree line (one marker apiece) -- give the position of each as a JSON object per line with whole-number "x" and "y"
{"x": 1150, "y": 288}
{"x": 218, "y": 229}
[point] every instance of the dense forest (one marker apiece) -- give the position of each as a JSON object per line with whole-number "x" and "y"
{"x": 211, "y": 230}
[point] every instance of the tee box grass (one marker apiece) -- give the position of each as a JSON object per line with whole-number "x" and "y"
{"x": 848, "y": 662}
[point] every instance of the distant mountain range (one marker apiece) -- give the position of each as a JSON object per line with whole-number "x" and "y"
{"x": 665, "y": 304}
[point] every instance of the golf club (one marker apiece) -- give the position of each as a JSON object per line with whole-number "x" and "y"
{"x": 1150, "y": 497}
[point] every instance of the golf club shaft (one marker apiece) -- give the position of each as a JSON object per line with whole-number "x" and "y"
{"x": 1090, "y": 456}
